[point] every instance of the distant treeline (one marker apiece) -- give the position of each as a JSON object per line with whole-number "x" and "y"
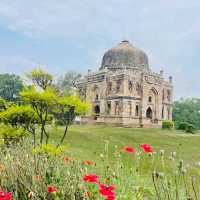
{"x": 187, "y": 110}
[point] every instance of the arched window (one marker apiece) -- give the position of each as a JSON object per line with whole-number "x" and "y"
{"x": 130, "y": 86}
{"x": 118, "y": 87}
{"x": 150, "y": 99}
{"x": 108, "y": 107}
{"x": 138, "y": 88}
{"x": 136, "y": 110}
{"x": 116, "y": 107}
{"x": 149, "y": 113}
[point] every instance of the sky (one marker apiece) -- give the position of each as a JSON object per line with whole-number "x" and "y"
{"x": 63, "y": 35}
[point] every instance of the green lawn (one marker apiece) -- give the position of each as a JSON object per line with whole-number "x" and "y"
{"x": 136, "y": 176}
{"x": 88, "y": 142}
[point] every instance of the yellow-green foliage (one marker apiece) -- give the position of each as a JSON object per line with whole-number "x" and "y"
{"x": 33, "y": 96}
{"x": 40, "y": 78}
{"x": 79, "y": 106}
{"x": 18, "y": 115}
{"x": 11, "y": 133}
{"x": 50, "y": 150}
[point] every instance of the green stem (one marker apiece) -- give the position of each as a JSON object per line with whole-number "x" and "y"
{"x": 154, "y": 183}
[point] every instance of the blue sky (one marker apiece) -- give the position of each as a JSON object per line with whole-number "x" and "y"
{"x": 62, "y": 35}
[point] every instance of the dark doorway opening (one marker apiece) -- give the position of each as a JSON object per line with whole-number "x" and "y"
{"x": 149, "y": 113}
{"x": 96, "y": 111}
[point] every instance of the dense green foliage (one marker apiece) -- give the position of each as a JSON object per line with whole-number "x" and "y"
{"x": 182, "y": 125}
{"x": 167, "y": 124}
{"x": 10, "y": 86}
{"x": 11, "y": 135}
{"x": 190, "y": 128}
{"x": 187, "y": 127}
{"x": 187, "y": 110}
{"x": 18, "y": 116}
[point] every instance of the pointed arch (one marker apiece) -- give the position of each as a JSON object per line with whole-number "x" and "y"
{"x": 149, "y": 113}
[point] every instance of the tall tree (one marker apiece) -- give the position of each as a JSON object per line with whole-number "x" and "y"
{"x": 68, "y": 83}
{"x": 187, "y": 110}
{"x": 47, "y": 103}
{"x": 40, "y": 78}
{"x": 10, "y": 86}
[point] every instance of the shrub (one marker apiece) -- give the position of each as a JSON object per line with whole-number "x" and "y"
{"x": 49, "y": 150}
{"x": 187, "y": 127}
{"x": 190, "y": 128}
{"x": 11, "y": 135}
{"x": 167, "y": 124}
{"x": 182, "y": 126}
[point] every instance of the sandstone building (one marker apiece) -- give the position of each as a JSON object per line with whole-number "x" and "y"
{"x": 124, "y": 91}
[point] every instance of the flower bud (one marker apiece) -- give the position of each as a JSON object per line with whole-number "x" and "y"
{"x": 162, "y": 151}
{"x": 173, "y": 154}
{"x": 30, "y": 195}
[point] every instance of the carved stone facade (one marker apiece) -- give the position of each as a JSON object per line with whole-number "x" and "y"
{"x": 126, "y": 92}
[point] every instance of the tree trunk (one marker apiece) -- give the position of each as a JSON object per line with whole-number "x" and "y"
{"x": 64, "y": 135}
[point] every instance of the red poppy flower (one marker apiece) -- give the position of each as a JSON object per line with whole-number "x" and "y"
{"x": 91, "y": 178}
{"x": 129, "y": 149}
{"x": 5, "y": 196}
{"x": 146, "y": 148}
{"x": 88, "y": 162}
{"x": 52, "y": 189}
{"x": 110, "y": 197}
{"x": 106, "y": 190}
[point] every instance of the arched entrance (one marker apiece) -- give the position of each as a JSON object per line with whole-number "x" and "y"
{"x": 96, "y": 111}
{"x": 149, "y": 113}
{"x": 152, "y": 111}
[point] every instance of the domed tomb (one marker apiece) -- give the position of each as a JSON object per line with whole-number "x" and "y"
{"x": 125, "y": 55}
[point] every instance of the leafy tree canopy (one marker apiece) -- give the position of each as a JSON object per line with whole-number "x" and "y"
{"x": 19, "y": 116}
{"x": 68, "y": 83}
{"x": 10, "y": 86}
{"x": 187, "y": 110}
{"x": 40, "y": 78}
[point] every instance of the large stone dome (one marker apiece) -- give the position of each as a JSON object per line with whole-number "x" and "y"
{"x": 125, "y": 55}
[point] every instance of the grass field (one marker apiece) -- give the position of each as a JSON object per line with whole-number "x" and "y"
{"x": 132, "y": 176}
{"x": 88, "y": 142}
